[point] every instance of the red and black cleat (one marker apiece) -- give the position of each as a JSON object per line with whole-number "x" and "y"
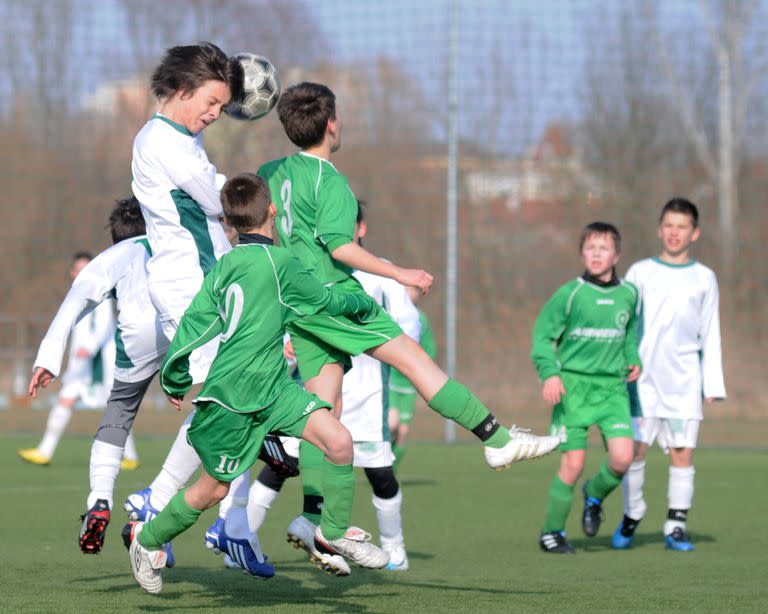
{"x": 274, "y": 455}
{"x": 95, "y": 523}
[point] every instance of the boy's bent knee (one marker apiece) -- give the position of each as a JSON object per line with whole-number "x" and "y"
{"x": 339, "y": 449}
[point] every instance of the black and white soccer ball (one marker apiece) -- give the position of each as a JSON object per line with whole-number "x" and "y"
{"x": 261, "y": 88}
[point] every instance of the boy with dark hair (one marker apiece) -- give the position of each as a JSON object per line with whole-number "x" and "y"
{"x": 317, "y": 212}
{"x": 249, "y": 298}
{"x": 584, "y": 350}
{"x": 681, "y": 352}
{"x": 118, "y": 272}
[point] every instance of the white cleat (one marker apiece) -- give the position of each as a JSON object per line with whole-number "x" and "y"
{"x": 301, "y": 534}
{"x": 146, "y": 564}
{"x": 398, "y": 559}
{"x": 523, "y": 446}
{"x": 355, "y": 545}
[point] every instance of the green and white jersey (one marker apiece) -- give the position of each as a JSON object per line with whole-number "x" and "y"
{"x": 316, "y": 209}
{"x": 178, "y": 189}
{"x": 118, "y": 272}
{"x": 249, "y": 297}
{"x": 587, "y": 329}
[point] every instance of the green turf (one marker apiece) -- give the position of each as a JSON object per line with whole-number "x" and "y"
{"x": 471, "y": 535}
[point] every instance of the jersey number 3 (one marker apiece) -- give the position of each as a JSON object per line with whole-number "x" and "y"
{"x": 286, "y": 221}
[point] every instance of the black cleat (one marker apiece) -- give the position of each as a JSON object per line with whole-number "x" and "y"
{"x": 95, "y": 522}
{"x": 593, "y": 514}
{"x": 555, "y": 543}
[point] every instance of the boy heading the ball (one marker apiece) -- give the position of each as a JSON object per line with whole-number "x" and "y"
{"x": 585, "y": 350}
{"x": 249, "y": 298}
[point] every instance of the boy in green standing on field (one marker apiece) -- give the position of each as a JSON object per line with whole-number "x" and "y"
{"x": 248, "y": 298}
{"x": 585, "y": 349}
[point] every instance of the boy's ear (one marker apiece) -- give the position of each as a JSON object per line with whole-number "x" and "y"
{"x": 696, "y": 234}
{"x": 272, "y": 210}
{"x": 362, "y": 229}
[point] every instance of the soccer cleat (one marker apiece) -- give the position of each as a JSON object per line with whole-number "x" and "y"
{"x": 33, "y": 455}
{"x": 624, "y": 533}
{"x": 240, "y": 551}
{"x": 679, "y": 540}
{"x": 354, "y": 545}
{"x": 555, "y": 543}
{"x": 301, "y": 534}
{"x": 523, "y": 446}
{"x": 145, "y": 564}
{"x": 95, "y": 522}
{"x": 129, "y": 464}
{"x": 593, "y": 514}
{"x": 139, "y": 508}
{"x": 398, "y": 559}
{"x": 274, "y": 455}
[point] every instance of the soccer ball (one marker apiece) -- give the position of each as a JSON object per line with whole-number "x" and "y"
{"x": 261, "y": 88}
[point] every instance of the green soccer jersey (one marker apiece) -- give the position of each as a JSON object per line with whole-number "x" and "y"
{"x": 587, "y": 329}
{"x": 248, "y": 298}
{"x": 397, "y": 381}
{"x": 317, "y": 212}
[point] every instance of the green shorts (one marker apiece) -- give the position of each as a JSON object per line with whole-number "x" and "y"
{"x": 403, "y": 402}
{"x": 588, "y": 400}
{"x": 229, "y": 442}
{"x": 320, "y": 340}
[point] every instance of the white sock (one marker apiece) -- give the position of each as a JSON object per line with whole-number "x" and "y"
{"x": 260, "y": 499}
{"x": 179, "y": 466}
{"x": 679, "y": 494}
{"x": 237, "y": 495}
{"x": 130, "y": 452}
{"x": 390, "y": 520}
{"x": 105, "y": 465}
{"x": 632, "y": 487}
{"x": 58, "y": 419}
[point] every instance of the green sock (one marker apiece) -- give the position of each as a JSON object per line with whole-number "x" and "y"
{"x": 311, "y": 459}
{"x": 398, "y": 452}
{"x": 339, "y": 489}
{"x": 558, "y": 505}
{"x": 604, "y": 482}
{"x": 456, "y": 402}
{"x": 175, "y": 518}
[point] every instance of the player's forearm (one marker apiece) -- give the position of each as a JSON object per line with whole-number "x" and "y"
{"x": 347, "y": 304}
{"x": 357, "y": 257}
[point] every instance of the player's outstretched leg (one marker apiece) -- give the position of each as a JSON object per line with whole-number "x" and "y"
{"x": 456, "y": 402}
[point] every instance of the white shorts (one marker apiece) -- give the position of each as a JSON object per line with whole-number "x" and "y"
{"x": 200, "y": 360}
{"x": 669, "y": 432}
{"x": 373, "y": 454}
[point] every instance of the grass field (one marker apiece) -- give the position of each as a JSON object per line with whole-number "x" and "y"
{"x": 471, "y": 536}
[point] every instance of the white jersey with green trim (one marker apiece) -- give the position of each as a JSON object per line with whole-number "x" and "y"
{"x": 364, "y": 400}
{"x": 94, "y": 333}
{"x": 117, "y": 272}
{"x": 679, "y": 338}
{"x": 178, "y": 189}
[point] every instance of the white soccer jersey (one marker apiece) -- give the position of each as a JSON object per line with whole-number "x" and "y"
{"x": 680, "y": 338}
{"x": 178, "y": 189}
{"x": 120, "y": 272}
{"x": 363, "y": 410}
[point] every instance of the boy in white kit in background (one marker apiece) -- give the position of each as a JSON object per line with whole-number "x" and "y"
{"x": 681, "y": 351}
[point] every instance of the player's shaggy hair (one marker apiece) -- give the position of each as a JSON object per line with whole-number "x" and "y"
{"x": 304, "y": 111}
{"x": 126, "y": 220}
{"x": 681, "y": 205}
{"x": 188, "y": 67}
{"x": 245, "y": 199}
{"x": 600, "y": 228}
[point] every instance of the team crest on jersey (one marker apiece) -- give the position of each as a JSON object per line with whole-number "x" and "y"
{"x": 622, "y": 318}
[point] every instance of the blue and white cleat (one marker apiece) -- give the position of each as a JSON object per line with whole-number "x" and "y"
{"x": 679, "y": 540}
{"x": 240, "y": 551}
{"x": 140, "y": 509}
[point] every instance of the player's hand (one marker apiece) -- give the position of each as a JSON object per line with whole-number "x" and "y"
{"x": 415, "y": 277}
{"x": 40, "y": 379}
{"x": 82, "y": 353}
{"x": 634, "y": 373}
{"x": 288, "y": 351}
{"x": 175, "y": 401}
{"x": 553, "y": 390}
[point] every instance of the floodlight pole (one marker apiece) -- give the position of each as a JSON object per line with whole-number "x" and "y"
{"x": 450, "y": 225}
